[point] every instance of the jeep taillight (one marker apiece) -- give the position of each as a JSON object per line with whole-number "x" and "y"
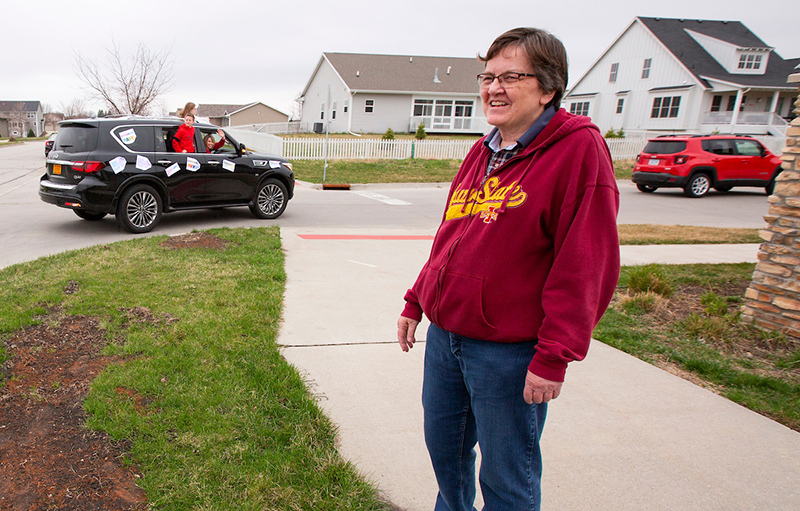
{"x": 679, "y": 160}
{"x": 88, "y": 167}
{"x": 638, "y": 156}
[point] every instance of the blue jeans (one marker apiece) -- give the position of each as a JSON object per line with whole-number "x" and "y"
{"x": 472, "y": 393}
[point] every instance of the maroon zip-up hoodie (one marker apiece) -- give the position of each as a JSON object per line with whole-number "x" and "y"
{"x": 530, "y": 251}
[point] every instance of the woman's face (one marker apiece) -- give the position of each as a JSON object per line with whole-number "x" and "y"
{"x": 209, "y": 143}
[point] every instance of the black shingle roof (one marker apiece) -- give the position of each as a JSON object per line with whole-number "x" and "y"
{"x": 672, "y": 33}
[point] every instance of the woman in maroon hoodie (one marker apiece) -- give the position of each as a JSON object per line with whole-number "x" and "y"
{"x": 523, "y": 266}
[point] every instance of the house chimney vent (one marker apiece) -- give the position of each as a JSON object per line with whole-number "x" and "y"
{"x": 448, "y": 69}
{"x": 436, "y": 76}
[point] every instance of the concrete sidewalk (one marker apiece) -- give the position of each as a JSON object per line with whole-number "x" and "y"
{"x": 624, "y": 435}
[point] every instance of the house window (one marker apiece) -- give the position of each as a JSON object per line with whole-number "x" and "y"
{"x": 463, "y": 115}
{"x": 442, "y": 113}
{"x": 613, "y": 76}
{"x": 579, "y": 108}
{"x": 369, "y": 106}
{"x": 731, "y": 103}
{"x": 31, "y": 115}
{"x": 333, "y": 111}
{"x": 716, "y": 103}
{"x": 665, "y": 107}
{"x": 749, "y": 61}
{"x": 423, "y": 107}
{"x": 646, "y": 68}
{"x": 322, "y": 111}
{"x": 346, "y": 105}
{"x": 620, "y": 102}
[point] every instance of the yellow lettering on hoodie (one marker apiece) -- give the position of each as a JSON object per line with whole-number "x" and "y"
{"x": 466, "y": 202}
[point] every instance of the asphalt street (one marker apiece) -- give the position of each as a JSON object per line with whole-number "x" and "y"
{"x": 31, "y": 229}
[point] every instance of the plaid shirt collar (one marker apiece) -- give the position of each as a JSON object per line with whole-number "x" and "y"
{"x": 502, "y": 155}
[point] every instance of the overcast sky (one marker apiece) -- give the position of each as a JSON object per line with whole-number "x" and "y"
{"x": 238, "y": 52}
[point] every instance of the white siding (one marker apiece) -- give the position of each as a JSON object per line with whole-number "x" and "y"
{"x": 317, "y": 95}
{"x": 389, "y": 111}
{"x": 631, "y": 49}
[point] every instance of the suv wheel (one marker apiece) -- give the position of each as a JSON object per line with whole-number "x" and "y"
{"x": 270, "y": 199}
{"x": 697, "y": 186}
{"x": 646, "y": 188}
{"x": 89, "y": 215}
{"x": 139, "y": 209}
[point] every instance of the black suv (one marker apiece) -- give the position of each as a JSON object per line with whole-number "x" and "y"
{"x": 126, "y": 166}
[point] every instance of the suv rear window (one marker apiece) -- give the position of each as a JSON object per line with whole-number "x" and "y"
{"x": 664, "y": 147}
{"x": 76, "y": 139}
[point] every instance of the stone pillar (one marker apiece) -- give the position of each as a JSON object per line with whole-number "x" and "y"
{"x": 772, "y": 302}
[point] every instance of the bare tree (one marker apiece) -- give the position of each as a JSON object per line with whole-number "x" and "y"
{"x": 127, "y": 83}
{"x": 75, "y": 110}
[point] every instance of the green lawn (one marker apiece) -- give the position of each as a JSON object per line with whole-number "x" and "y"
{"x": 397, "y": 171}
{"x": 685, "y": 319}
{"x": 230, "y": 424}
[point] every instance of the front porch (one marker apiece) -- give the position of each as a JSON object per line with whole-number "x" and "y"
{"x": 744, "y": 123}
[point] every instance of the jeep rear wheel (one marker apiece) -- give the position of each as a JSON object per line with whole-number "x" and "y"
{"x": 646, "y": 188}
{"x": 697, "y": 186}
{"x": 139, "y": 209}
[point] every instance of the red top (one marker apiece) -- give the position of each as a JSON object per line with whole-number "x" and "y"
{"x": 530, "y": 252}
{"x": 184, "y": 139}
{"x": 216, "y": 146}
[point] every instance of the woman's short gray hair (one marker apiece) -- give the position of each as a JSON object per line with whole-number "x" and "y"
{"x": 546, "y": 53}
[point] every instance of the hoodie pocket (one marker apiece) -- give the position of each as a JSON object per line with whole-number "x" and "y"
{"x": 460, "y": 306}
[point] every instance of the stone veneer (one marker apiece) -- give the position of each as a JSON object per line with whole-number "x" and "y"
{"x": 772, "y": 302}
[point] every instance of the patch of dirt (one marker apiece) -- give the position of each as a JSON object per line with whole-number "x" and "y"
{"x": 195, "y": 240}
{"x": 48, "y": 459}
{"x": 735, "y": 341}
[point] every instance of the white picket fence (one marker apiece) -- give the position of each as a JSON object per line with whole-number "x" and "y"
{"x": 378, "y": 149}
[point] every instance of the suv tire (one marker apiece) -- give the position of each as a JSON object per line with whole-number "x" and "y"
{"x": 89, "y": 215}
{"x": 139, "y": 209}
{"x": 646, "y": 188}
{"x": 697, "y": 186}
{"x": 270, "y": 199}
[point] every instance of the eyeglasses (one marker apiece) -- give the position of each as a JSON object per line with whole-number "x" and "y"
{"x": 485, "y": 80}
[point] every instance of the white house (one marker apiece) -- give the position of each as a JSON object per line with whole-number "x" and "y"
{"x": 687, "y": 76}
{"x": 365, "y": 93}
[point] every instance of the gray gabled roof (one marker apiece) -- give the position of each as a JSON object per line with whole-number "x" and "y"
{"x": 217, "y": 110}
{"x": 405, "y": 73}
{"x": 672, "y": 34}
{"x": 19, "y": 106}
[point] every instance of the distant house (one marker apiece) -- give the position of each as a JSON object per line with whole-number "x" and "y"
{"x": 51, "y": 121}
{"x": 687, "y": 76}
{"x": 17, "y": 118}
{"x": 238, "y": 115}
{"x": 372, "y": 93}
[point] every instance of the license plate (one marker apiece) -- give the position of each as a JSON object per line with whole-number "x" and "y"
{"x": 57, "y": 169}
{"x": 653, "y": 162}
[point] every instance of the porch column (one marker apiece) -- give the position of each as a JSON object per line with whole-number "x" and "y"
{"x": 736, "y": 106}
{"x": 775, "y": 97}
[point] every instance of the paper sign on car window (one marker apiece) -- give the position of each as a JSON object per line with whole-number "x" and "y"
{"x": 228, "y": 165}
{"x": 143, "y": 163}
{"x": 172, "y": 169}
{"x": 118, "y": 164}
{"x": 192, "y": 164}
{"x": 128, "y": 136}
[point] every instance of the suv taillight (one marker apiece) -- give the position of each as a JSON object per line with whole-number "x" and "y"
{"x": 638, "y": 157}
{"x": 88, "y": 167}
{"x": 679, "y": 160}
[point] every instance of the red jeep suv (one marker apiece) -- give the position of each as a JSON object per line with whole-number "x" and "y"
{"x": 698, "y": 163}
